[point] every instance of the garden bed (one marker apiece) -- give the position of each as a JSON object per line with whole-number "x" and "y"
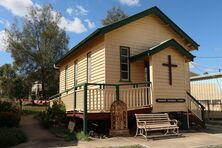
{"x": 11, "y": 136}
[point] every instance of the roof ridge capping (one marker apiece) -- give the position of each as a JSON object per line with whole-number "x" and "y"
{"x": 101, "y": 31}
{"x": 163, "y": 45}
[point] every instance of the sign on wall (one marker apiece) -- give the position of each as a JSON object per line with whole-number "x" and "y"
{"x": 170, "y": 100}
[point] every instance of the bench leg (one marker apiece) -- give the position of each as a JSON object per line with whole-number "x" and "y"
{"x": 137, "y": 130}
{"x": 146, "y": 134}
{"x": 167, "y": 131}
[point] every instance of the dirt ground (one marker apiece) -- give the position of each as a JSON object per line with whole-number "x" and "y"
{"x": 41, "y": 138}
{"x": 38, "y": 137}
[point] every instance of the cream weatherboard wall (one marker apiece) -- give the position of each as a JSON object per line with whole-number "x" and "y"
{"x": 97, "y": 50}
{"x": 160, "y": 79}
{"x": 141, "y": 35}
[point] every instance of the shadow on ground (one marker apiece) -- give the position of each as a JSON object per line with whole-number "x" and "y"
{"x": 38, "y": 137}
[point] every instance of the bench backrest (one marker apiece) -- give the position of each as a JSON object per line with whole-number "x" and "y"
{"x": 160, "y": 118}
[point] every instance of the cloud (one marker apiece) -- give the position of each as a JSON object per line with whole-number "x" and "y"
{"x": 130, "y": 2}
{"x": 69, "y": 11}
{"x": 20, "y": 8}
{"x": 78, "y": 10}
{"x": 3, "y": 37}
{"x": 5, "y": 22}
{"x": 17, "y": 7}
{"x": 75, "y": 25}
{"x": 90, "y": 24}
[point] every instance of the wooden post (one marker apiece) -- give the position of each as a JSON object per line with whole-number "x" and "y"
{"x": 188, "y": 119}
{"x": 85, "y": 116}
{"x": 74, "y": 106}
{"x": 117, "y": 92}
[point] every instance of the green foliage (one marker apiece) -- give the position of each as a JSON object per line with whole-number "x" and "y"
{"x": 38, "y": 45}
{"x": 9, "y": 119}
{"x": 71, "y": 137}
{"x": 64, "y": 133}
{"x": 59, "y": 131}
{"x": 82, "y": 136}
{"x": 11, "y": 136}
{"x": 31, "y": 112}
{"x": 9, "y": 115}
{"x": 55, "y": 116}
{"x": 12, "y": 84}
{"x": 114, "y": 14}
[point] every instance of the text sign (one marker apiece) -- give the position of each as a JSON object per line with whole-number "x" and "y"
{"x": 170, "y": 100}
{"x": 71, "y": 126}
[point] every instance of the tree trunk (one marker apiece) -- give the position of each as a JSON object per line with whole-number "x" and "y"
{"x": 43, "y": 82}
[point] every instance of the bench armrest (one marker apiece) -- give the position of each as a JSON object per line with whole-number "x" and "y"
{"x": 174, "y": 121}
{"x": 142, "y": 123}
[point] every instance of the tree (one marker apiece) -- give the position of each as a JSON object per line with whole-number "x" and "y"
{"x": 13, "y": 85}
{"x": 7, "y": 73}
{"x": 38, "y": 45}
{"x": 113, "y": 15}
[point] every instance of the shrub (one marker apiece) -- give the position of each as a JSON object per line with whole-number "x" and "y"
{"x": 9, "y": 114}
{"x": 82, "y": 136}
{"x": 11, "y": 136}
{"x": 54, "y": 116}
{"x": 9, "y": 119}
{"x": 8, "y": 106}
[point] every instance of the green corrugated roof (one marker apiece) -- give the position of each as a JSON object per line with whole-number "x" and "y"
{"x": 101, "y": 31}
{"x": 168, "y": 43}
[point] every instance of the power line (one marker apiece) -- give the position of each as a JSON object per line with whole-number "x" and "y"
{"x": 204, "y": 69}
{"x": 210, "y": 57}
{"x": 212, "y": 68}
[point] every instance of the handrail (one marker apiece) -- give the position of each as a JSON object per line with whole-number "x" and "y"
{"x": 67, "y": 90}
{"x": 195, "y": 100}
{"x": 99, "y": 84}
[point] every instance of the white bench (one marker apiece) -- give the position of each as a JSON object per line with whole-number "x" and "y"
{"x": 156, "y": 122}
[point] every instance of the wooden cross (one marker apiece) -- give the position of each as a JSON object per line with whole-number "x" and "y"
{"x": 169, "y": 65}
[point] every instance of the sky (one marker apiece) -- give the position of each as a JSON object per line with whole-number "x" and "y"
{"x": 200, "y": 19}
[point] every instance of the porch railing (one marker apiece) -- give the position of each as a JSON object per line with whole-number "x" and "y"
{"x": 196, "y": 107}
{"x": 94, "y": 97}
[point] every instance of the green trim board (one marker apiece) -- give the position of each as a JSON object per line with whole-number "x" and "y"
{"x": 163, "y": 45}
{"x": 101, "y": 31}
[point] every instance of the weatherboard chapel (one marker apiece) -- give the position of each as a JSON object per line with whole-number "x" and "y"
{"x": 142, "y": 60}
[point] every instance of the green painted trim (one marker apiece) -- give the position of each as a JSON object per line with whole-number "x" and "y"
{"x": 101, "y": 31}
{"x": 85, "y": 114}
{"x": 117, "y": 93}
{"x": 162, "y": 46}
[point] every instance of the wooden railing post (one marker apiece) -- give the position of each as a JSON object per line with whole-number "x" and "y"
{"x": 85, "y": 115}
{"x": 74, "y": 93}
{"x": 117, "y": 92}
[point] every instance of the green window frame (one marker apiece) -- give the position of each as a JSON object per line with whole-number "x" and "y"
{"x": 124, "y": 63}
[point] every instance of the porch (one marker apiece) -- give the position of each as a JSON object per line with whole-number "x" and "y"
{"x": 97, "y": 98}
{"x": 92, "y": 101}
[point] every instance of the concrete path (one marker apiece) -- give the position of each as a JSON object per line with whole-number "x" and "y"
{"x": 38, "y": 137}
{"x": 212, "y": 136}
